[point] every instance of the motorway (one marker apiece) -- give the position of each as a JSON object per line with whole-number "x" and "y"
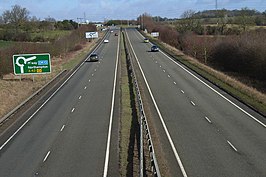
{"x": 198, "y": 129}
{"x": 75, "y": 132}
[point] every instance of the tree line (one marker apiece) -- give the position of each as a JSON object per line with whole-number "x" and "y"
{"x": 17, "y": 25}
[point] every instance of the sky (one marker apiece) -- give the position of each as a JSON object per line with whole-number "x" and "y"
{"x": 100, "y": 10}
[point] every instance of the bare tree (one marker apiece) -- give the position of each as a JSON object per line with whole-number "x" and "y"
{"x": 17, "y": 16}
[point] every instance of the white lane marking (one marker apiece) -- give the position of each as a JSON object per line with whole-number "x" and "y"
{"x": 208, "y": 119}
{"x": 192, "y": 103}
{"x": 89, "y": 80}
{"x": 204, "y": 83}
{"x": 73, "y": 109}
{"x": 95, "y": 70}
{"x": 80, "y": 97}
{"x": 47, "y": 155}
{"x": 160, "y": 66}
{"x": 161, "y": 118}
{"x": 85, "y": 88}
{"x": 50, "y": 97}
{"x": 155, "y": 61}
{"x": 168, "y": 76}
{"x": 164, "y": 71}
{"x": 107, "y": 154}
{"x": 92, "y": 74}
{"x": 175, "y": 83}
{"x": 182, "y": 91}
{"x": 232, "y": 146}
{"x": 62, "y": 128}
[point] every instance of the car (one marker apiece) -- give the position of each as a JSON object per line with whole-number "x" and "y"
{"x": 93, "y": 57}
{"x": 154, "y": 48}
{"x": 146, "y": 40}
{"x": 106, "y": 41}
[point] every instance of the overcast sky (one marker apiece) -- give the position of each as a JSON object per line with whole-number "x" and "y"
{"x": 98, "y": 10}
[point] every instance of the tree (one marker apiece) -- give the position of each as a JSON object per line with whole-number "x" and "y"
{"x": 189, "y": 23}
{"x": 17, "y": 16}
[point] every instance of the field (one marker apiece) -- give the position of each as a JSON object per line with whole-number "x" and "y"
{"x": 4, "y": 44}
{"x": 50, "y": 35}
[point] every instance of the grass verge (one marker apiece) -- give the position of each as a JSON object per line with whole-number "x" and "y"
{"x": 125, "y": 122}
{"x": 129, "y": 125}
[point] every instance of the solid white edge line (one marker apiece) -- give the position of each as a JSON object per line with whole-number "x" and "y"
{"x": 12, "y": 136}
{"x": 47, "y": 155}
{"x": 258, "y": 121}
{"x": 161, "y": 118}
{"x": 107, "y": 154}
{"x": 232, "y": 146}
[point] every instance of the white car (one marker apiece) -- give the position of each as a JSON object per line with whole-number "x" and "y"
{"x": 106, "y": 41}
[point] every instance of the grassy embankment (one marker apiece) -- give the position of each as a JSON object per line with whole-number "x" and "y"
{"x": 13, "y": 92}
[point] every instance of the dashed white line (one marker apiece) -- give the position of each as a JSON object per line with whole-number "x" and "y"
{"x": 80, "y": 97}
{"x": 47, "y": 155}
{"x": 204, "y": 83}
{"x": 208, "y": 119}
{"x": 164, "y": 71}
{"x": 182, "y": 91}
{"x": 168, "y": 76}
{"x": 95, "y": 70}
{"x": 92, "y": 74}
{"x": 62, "y": 128}
{"x": 160, "y": 66}
{"x": 175, "y": 83}
{"x": 73, "y": 110}
{"x": 192, "y": 103}
{"x": 232, "y": 146}
{"x": 89, "y": 80}
{"x": 85, "y": 88}
{"x": 155, "y": 61}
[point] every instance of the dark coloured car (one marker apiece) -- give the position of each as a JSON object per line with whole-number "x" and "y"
{"x": 93, "y": 57}
{"x": 154, "y": 48}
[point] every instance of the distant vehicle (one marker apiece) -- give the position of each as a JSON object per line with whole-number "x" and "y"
{"x": 146, "y": 40}
{"x": 93, "y": 57}
{"x": 112, "y": 31}
{"x": 116, "y": 34}
{"x": 154, "y": 48}
{"x": 106, "y": 41}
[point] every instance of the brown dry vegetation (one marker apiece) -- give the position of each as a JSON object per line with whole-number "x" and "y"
{"x": 13, "y": 91}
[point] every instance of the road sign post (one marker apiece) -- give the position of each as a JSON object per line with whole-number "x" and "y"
{"x": 32, "y": 64}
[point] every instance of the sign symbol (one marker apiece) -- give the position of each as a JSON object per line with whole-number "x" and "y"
{"x": 25, "y": 60}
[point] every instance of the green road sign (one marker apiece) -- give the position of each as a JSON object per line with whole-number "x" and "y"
{"x": 32, "y": 64}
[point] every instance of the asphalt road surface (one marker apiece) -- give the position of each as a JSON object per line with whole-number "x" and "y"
{"x": 200, "y": 130}
{"x": 71, "y": 135}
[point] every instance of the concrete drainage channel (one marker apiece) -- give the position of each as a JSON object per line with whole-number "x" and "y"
{"x": 146, "y": 145}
